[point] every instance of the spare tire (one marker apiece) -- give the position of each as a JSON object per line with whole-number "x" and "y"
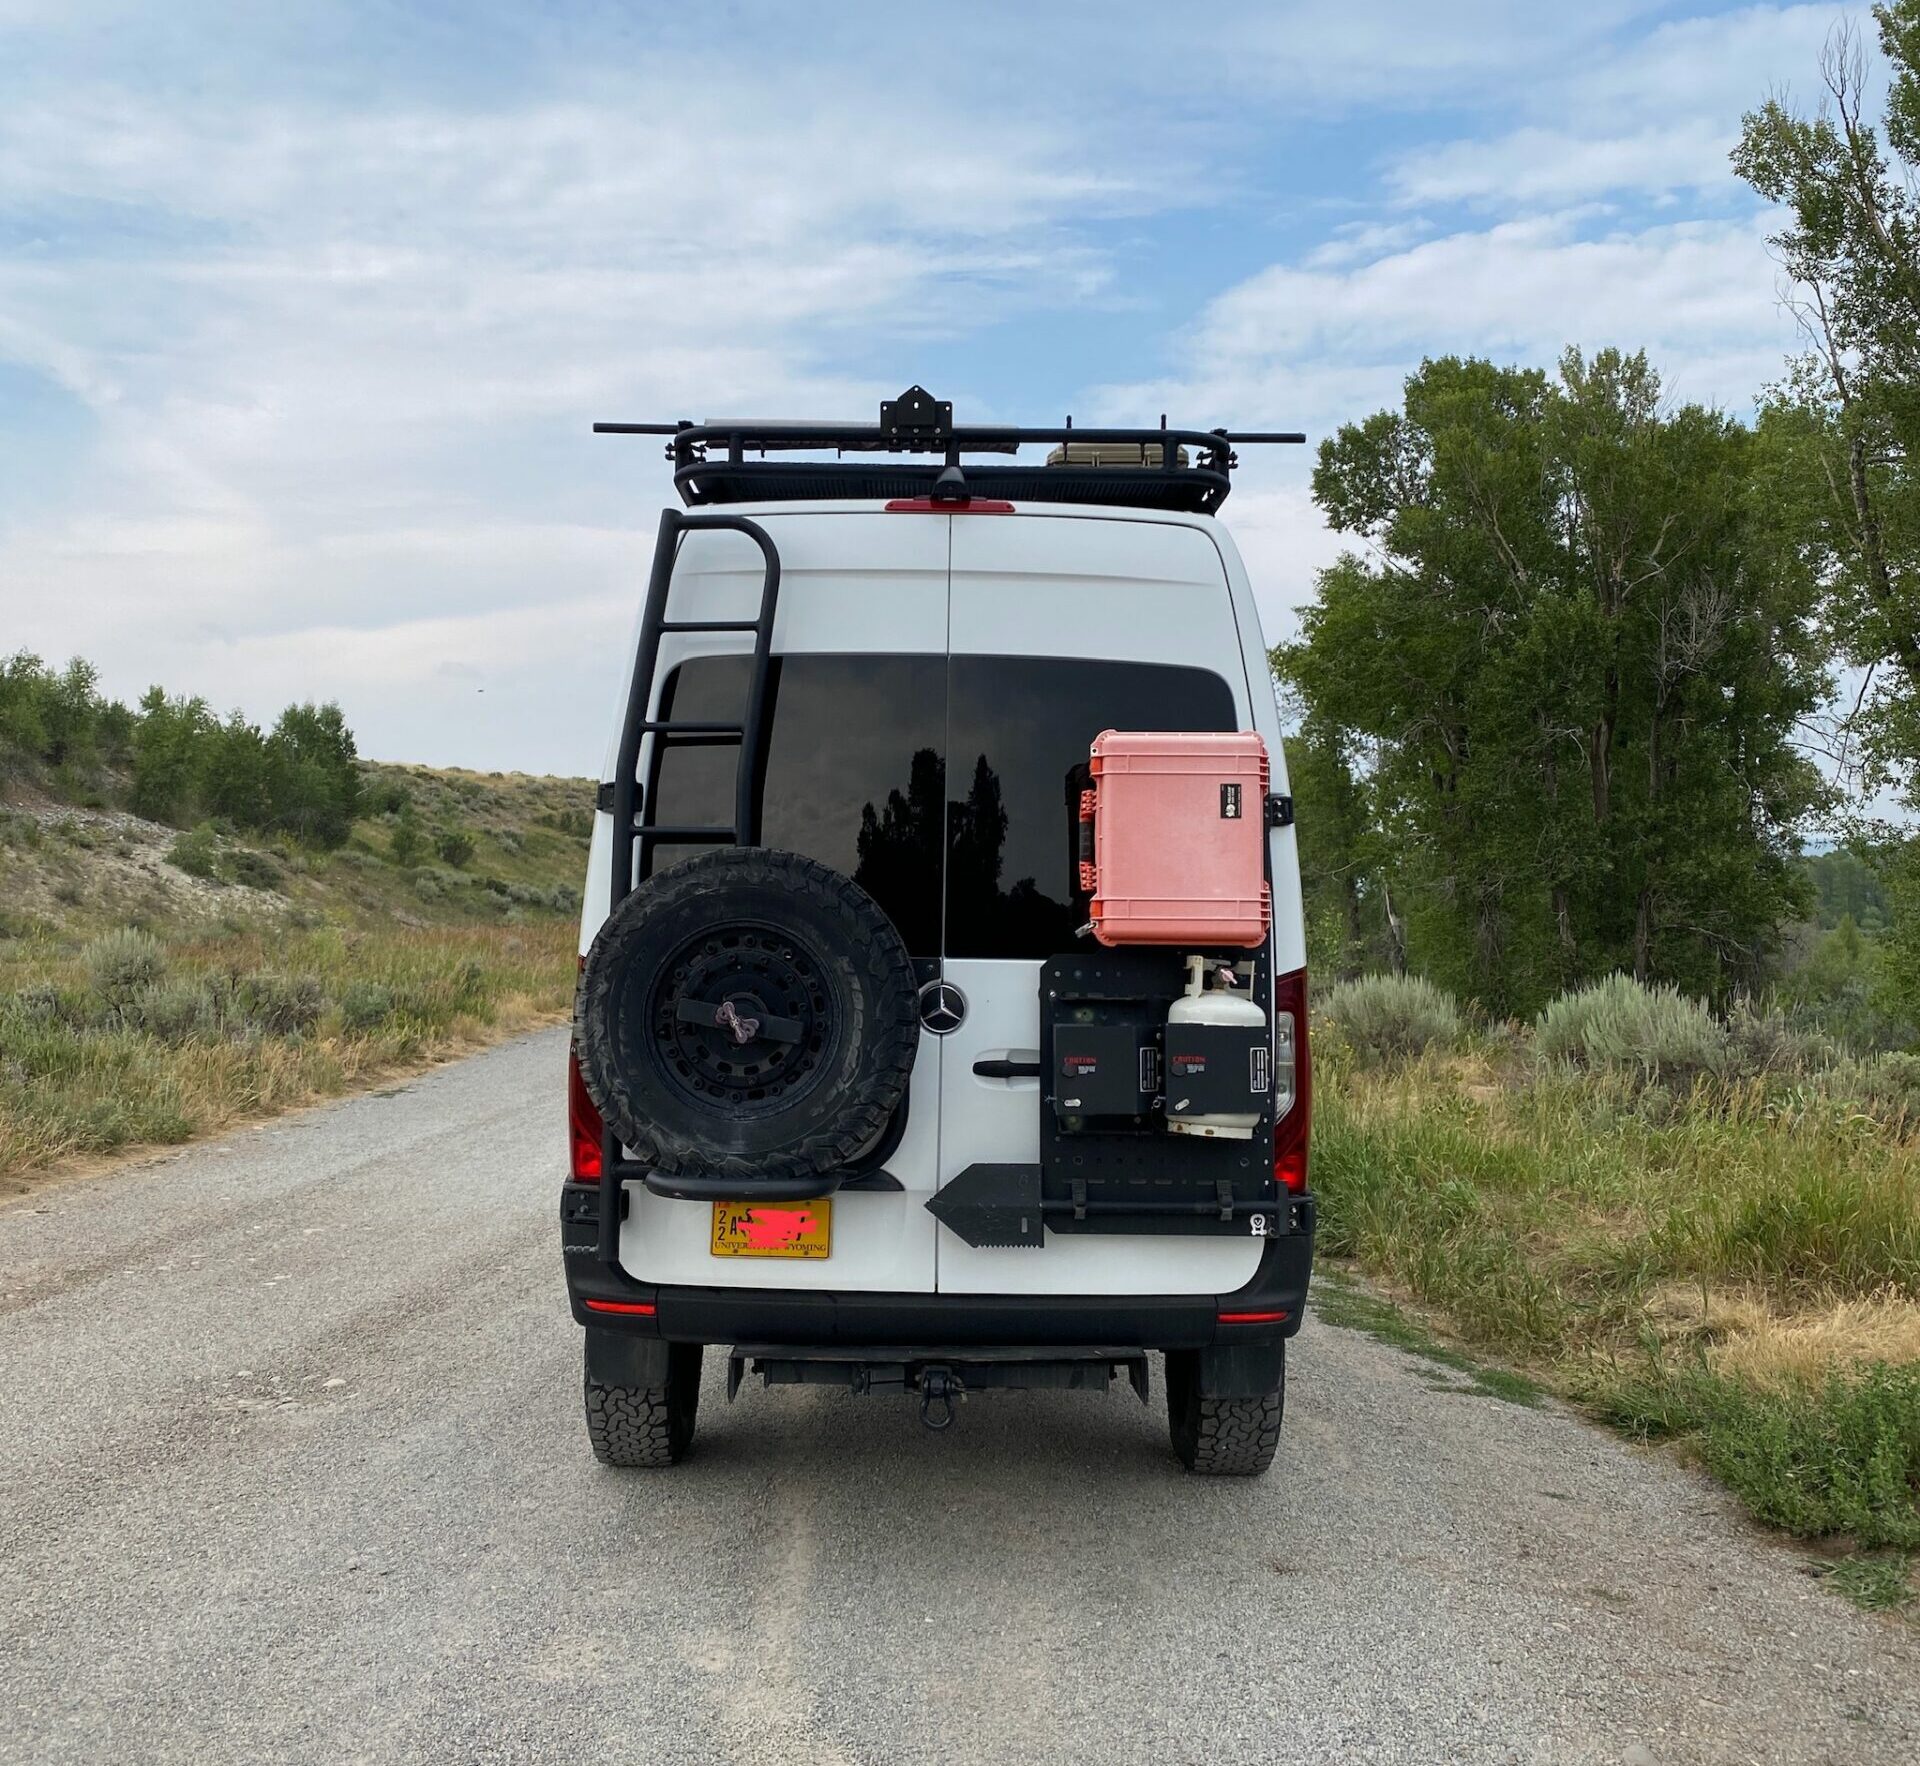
{"x": 749, "y": 1014}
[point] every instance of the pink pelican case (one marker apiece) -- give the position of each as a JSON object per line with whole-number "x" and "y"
{"x": 1179, "y": 830}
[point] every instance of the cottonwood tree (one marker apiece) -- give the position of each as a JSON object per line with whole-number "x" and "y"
{"x": 1576, "y": 659}
{"x": 1842, "y": 434}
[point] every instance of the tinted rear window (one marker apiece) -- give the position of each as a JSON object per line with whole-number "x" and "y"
{"x": 856, "y": 777}
{"x": 1018, "y": 731}
{"x": 853, "y": 770}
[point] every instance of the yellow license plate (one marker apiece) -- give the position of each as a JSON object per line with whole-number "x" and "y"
{"x": 772, "y": 1229}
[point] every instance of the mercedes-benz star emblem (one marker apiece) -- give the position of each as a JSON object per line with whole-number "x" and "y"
{"x": 942, "y": 1007}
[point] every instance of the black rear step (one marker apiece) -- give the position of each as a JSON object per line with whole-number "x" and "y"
{"x": 711, "y": 463}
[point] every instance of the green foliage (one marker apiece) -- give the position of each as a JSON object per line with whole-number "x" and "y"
{"x": 1843, "y": 984}
{"x": 177, "y": 1010}
{"x": 122, "y": 964}
{"x": 251, "y": 868}
{"x": 281, "y": 1005}
{"x": 1846, "y": 887}
{"x": 312, "y": 779}
{"x": 1385, "y": 1017}
{"x": 111, "y": 1045}
{"x": 454, "y": 846}
{"x": 1762, "y": 1039}
{"x": 577, "y": 823}
{"x": 170, "y": 740}
{"x": 1344, "y": 879}
{"x": 1553, "y": 1220}
{"x": 1888, "y": 1086}
{"x": 197, "y": 853}
{"x": 233, "y": 781}
{"x": 1900, "y": 957}
{"x": 59, "y": 719}
{"x": 365, "y": 1005}
{"x": 1841, "y": 1459}
{"x": 1621, "y": 1024}
{"x": 183, "y": 764}
{"x": 1881, "y": 1584}
{"x": 1841, "y": 437}
{"x": 1582, "y": 757}
{"x": 408, "y": 843}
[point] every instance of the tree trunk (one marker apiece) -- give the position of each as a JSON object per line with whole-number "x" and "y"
{"x": 1906, "y": 642}
{"x": 1563, "y": 919}
{"x": 1396, "y": 931}
{"x": 1600, "y": 752}
{"x": 1643, "y": 935}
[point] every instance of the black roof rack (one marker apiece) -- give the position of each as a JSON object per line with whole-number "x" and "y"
{"x": 1184, "y": 470}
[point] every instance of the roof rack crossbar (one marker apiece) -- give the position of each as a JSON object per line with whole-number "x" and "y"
{"x": 711, "y": 465}
{"x": 971, "y": 437}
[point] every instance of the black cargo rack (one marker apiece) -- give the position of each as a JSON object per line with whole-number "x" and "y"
{"x": 1181, "y": 470}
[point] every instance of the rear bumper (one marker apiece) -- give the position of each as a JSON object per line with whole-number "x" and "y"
{"x": 604, "y": 1298}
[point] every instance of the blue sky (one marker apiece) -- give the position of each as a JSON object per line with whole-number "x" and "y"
{"x": 305, "y": 310}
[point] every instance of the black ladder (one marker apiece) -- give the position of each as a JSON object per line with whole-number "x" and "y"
{"x": 631, "y": 804}
{"x": 634, "y": 836}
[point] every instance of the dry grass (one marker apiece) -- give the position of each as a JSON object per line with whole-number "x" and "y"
{"x": 250, "y": 1025}
{"x": 1749, "y": 1342}
{"x": 1737, "y": 1262}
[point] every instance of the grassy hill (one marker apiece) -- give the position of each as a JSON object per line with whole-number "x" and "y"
{"x": 159, "y": 983}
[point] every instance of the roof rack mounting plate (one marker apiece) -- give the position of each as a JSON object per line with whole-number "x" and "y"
{"x": 1183, "y": 470}
{"x": 916, "y": 413}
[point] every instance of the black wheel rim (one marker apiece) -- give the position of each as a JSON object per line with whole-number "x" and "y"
{"x": 765, "y": 975}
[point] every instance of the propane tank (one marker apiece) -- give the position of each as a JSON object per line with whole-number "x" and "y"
{"x": 1216, "y": 1007}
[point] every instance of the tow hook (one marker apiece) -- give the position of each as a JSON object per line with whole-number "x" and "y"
{"x": 939, "y": 1386}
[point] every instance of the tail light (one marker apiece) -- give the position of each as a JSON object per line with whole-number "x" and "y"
{"x": 1292, "y": 1082}
{"x": 584, "y": 1127}
{"x": 960, "y": 506}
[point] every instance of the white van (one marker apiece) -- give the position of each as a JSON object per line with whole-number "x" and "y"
{"x": 836, "y": 944}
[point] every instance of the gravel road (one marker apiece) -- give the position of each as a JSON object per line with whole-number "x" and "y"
{"x": 292, "y": 1468}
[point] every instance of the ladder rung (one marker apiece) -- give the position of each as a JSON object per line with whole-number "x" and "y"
{"x": 648, "y": 831}
{"x": 670, "y": 728}
{"x": 710, "y": 625}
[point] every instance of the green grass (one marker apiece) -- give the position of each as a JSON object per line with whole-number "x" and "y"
{"x": 1880, "y": 1582}
{"x": 1339, "y": 1302}
{"x": 1735, "y": 1268}
{"x": 1841, "y": 1458}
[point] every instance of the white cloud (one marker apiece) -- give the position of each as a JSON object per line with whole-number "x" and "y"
{"x": 1326, "y": 344}
{"x": 1532, "y": 166}
{"x": 335, "y": 331}
{"x": 1656, "y": 118}
{"x": 1298, "y": 343}
{"x": 326, "y": 351}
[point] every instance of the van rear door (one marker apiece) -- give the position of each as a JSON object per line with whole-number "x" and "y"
{"x": 855, "y": 747}
{"x": 1060, "y": 626}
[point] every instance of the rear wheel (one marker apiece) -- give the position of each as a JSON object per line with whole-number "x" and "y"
{"x": 646, "y": 1426}
{"x": 1222, "y": 1437}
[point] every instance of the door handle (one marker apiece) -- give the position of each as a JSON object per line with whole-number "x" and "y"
{"x": 1005, "y": 1069}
